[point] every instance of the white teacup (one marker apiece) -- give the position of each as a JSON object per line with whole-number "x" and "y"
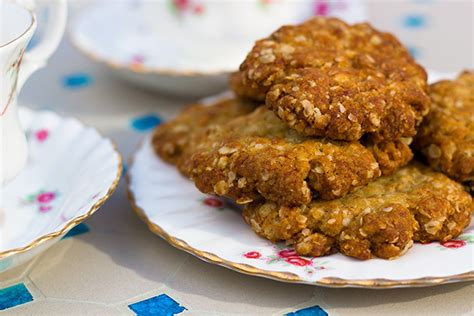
{"x": 17, "y": 25}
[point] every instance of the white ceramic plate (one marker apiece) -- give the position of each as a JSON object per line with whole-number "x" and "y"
{"x": 71, "y": 171}
{"x": 185, "y": 48}
{"x": 115, "y": 35}
{"x": 215, "y": 231}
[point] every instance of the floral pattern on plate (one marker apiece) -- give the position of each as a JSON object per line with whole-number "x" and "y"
{"x": 461, "y": 241}
{"x": 69, "y": 175}
{"x": 42, "y": 199}
{"x": 214, "y": 202}
{"x": 179, "y": 7}
{"x": 288, "y": 256}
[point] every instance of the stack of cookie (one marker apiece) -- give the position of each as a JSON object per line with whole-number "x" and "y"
{"x": 315, "y": 144}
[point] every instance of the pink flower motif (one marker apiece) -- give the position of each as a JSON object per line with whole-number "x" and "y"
{"x": 298, "y": 261}
{"x": 42, "y": 200}
{"x": 181, "y": 4}
{"x": 253, "y": 255}
{"x": 45, "y": 197}
{"x": 213, "y": 202}
{"x": 198, "y": 9}
{"x": 187, "y": 6}
{"x": 138, "y": 59}
{"x": 455, "y": 243}
{"x": 287, "y": 253}
{"x": 42, "y": 135}
{"x": 321, "y": 7}
{"x": 45, "y": 208}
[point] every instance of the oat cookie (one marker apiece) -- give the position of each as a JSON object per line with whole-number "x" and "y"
{"x": 446, "y": 136}
{"x": 173, "y": 139}
{"x": 257, "y": 155}
{"x": 382, "y": 219}
{"x": 327, "y": 78}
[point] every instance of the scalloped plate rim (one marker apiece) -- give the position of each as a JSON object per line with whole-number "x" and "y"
{"x": 77, "y": 219}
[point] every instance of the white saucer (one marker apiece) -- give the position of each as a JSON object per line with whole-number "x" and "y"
{"x": 115, "y": 35}
{"x": 186, "y": 57}
{"x": 71, "y": 171}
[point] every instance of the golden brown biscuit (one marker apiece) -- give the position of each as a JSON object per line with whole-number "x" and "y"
{"x": 382, "y": 219}
{"x": 258, "y": 155}
{"x": 446, "y": 136}
{"x": 172, "y": 139}
{"x": 327, "y": 78}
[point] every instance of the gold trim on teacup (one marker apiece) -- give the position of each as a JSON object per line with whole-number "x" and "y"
{"x": 378, "y": 283}
{"x": 13, "y": 91}
{"x": 79, "y": 219}
{"x": 33, "y": 20}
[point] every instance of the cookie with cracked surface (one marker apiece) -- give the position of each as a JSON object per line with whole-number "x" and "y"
{"x": 382, "y": 219}
{"x": 446, "y": 136}
{"x": 257, "y": 155}
{"x": 327, "y": 78}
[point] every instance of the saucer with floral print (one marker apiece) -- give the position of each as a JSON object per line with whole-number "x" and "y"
{"x": 185, "y": 48}
{"x": 71, "y": 171}
{"x": 213, "y": 229}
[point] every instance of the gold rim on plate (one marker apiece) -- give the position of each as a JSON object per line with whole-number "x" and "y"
{"x": 77, "y": 220}
{"x": 289, "y": 277}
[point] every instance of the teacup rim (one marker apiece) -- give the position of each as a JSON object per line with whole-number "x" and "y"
{"x": 28, "y": 29}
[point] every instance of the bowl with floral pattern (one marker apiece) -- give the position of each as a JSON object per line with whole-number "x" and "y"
{"x": 213, "y": 229}
{"x": 187, "y": 47}
{"x": 71, "y": 171}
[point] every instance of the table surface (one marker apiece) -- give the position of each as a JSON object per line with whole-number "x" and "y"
{"x": 114, "y": 261}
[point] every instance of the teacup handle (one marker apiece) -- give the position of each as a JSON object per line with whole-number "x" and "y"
{"x": 38, "y": 56}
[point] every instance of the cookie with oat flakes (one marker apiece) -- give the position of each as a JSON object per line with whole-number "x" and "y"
{"x": 257, "y": 155}
{"x": 446, "y": 136}
{"x": 382, "y": 219}
{"x": 327, "y": 78}
{"x": 173, "y": 140}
